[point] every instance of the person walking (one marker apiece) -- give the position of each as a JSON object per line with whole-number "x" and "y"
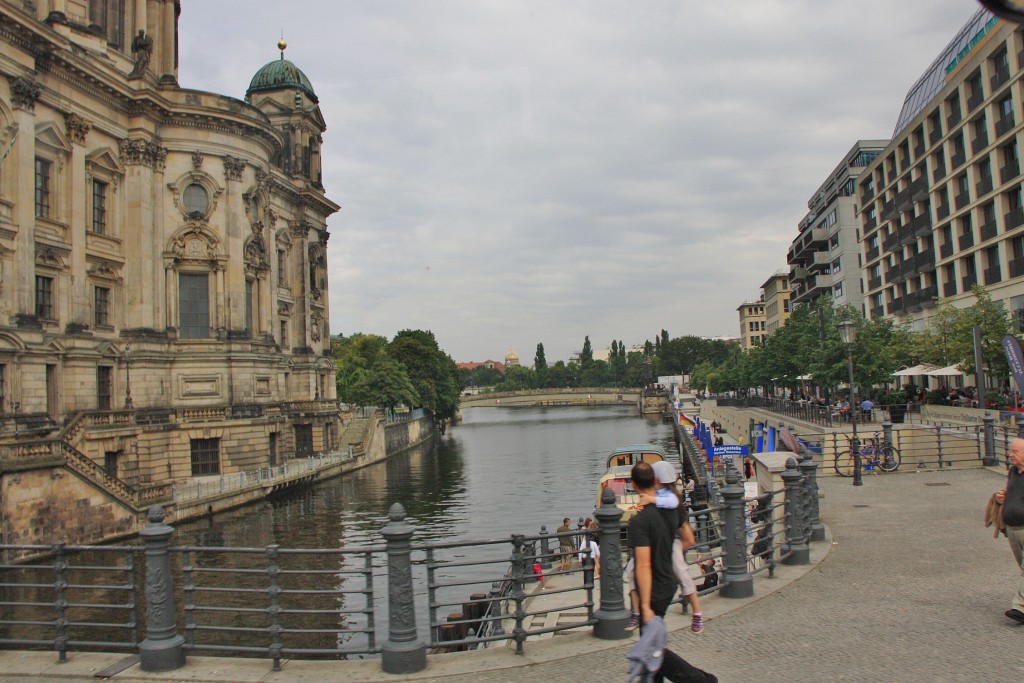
{"x": 1012, "y": 500}
{"x": 650, "y": 534}
{"x": 565, "y": 545}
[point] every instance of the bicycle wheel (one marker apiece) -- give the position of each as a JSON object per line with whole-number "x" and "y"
{"x": 844, "y": 464}
{"x": 890, "y": 455}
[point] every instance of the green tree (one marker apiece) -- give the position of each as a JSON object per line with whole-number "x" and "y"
{"x": 353, "y": 356}
{"x": 596, "y": 374}
{"x": 386, "y": 384}
{"x": 992, "y": 319}
{"x": 517, "y": 378}
{"x": 433, "y": 373}
{"x": 587, "y": 354}
{"x": 540, "y": 367}
{"x": 560, "y": 376}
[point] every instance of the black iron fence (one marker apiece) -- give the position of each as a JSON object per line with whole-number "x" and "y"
{"x": 832, "y": 415}
{"x": 397, "y": 600}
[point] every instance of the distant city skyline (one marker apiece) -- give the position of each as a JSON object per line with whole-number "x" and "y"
{"x": 515, "y": 173}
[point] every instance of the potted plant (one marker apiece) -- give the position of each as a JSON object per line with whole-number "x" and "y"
{"x": 896, "y": 403}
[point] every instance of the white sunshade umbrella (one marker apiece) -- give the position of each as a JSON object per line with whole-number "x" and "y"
{"x": 922, "y": 369}
{"x": 948, "y": 371}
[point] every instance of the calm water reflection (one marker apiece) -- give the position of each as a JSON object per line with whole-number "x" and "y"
{"x": 502, "y": 470}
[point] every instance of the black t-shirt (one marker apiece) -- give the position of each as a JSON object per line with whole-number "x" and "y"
{"x": 1013, "y": 508}
{"x": 653, "y": 528}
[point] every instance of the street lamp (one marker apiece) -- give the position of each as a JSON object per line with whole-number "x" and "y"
{"x": 1012, "y": 10}
{"x": 848, "y": 335}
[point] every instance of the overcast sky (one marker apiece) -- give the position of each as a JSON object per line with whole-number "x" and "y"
{"x": 513, "y": 172}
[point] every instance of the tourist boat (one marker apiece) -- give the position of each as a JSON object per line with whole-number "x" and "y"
{"x": 620, "y": 462}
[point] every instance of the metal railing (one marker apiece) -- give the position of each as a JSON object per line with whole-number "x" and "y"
{"x": 203, "y": 487}
{"x": 279, "y": 602}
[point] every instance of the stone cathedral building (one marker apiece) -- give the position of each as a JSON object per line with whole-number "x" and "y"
{"x": 163, "y": 283}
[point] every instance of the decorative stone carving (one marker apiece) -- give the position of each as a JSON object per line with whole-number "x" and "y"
{"x": 197, "y": 160}
{"x": 300, "y": 228}
{"x": 233, "y": 168}
{"x": 256, "y": 256}
{"x": 284, "y": 308}
{"x": 25, "y": 92}
{"x": 139, "y": 151}
{"x": 48, "y": 256}
{"x": 271, "y": 217}
{"x": 315, "y": 323}
{"x": 78, "y": 127}
{"x": 324, "y": 236}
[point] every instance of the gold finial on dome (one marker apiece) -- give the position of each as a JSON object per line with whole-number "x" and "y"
{"x": 282, "y": 45}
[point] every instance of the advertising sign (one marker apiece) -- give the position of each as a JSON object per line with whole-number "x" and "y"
{"x": 1015, "y": 358}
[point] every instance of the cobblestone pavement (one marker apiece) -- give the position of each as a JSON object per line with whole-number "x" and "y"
{"x": 914, "y": 590}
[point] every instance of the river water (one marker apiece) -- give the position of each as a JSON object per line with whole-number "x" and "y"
{"x": 501, "y": 471}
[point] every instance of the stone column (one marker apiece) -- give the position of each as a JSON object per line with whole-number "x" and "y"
{"x": 162, "y": 650}
{"x": 140, "y": 19}
{"x": 167, "y": 23}
{"x": 81, "y": 188}
{"x": 403, "y": 652}
{"x": 25, "y": 92}
{"x": 736, "y": 579}
{"x": 144, "y": 161}
{"x": 612, "y": 616}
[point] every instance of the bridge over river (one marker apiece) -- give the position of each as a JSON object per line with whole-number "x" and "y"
{"x": 578, "y": 396}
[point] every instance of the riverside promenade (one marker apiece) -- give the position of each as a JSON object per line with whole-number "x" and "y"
{"x": 909, "y": 586}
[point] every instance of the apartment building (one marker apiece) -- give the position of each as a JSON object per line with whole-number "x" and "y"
{"x": 825, "y": 257}
{"x": 941, "y": 207}
{"x": 753, "y": 324}
{"x": 776, "y": 294}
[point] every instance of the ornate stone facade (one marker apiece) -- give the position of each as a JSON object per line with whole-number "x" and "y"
{"x": 155, "y": 316}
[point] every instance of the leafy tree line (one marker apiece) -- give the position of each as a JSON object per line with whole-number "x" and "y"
{"x": 624, "y": 367}
{"x": 809, "y": 344}
{"x": 411, "y": 371}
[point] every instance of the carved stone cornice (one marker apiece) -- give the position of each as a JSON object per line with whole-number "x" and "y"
{"x": 78, "y": 127}
{"x": 324, "y": 236}
{"x": 139, "y": 151}
{"x": 233, "y": 168}
{"x": 300, "y": 228}
{"x": 25, "y": 91}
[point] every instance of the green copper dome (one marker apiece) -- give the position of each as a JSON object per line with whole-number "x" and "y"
{"x": 280, "y": 74}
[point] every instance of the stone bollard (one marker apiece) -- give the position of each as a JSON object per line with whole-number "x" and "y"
{"x": 612, "y": 616}
{"x": 989, "y": 423}
{"x": 736, "y": 579}
{"x": 403, "y": 652}
{"x": 797, "y": 550}
{"x": 162, "y": 650}
{"x": 815, "y": 529}
{"x": 545, "y": 549}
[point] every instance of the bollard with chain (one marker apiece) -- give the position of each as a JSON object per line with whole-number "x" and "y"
{"x": 612, "y": 616}
{"x": 162, "y": 649}
{"x": 815, "y": 529}
{"x": 736, "y": 579}
{"x": 518, "y": 594}
{"x": 989, "y": 423}
{"x": 403, "y": 652}
{"x": 798, "y": 552}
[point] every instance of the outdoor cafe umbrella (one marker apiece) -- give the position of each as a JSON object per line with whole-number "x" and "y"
{"x": 948, "y": 371}
{"x": 922, "y": 369}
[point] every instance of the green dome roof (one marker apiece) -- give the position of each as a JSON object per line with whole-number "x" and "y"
{"x": 280, "y": 74}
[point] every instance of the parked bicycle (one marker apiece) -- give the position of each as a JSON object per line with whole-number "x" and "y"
{"x": 873, "y": 454}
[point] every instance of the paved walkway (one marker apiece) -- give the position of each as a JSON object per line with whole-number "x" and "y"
{"x": 913, "y": 588}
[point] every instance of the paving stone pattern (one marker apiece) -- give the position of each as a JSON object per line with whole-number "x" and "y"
{"x": 914, "y": 590}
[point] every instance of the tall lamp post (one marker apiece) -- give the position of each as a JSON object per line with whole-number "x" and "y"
{"x": 848, "y": 335}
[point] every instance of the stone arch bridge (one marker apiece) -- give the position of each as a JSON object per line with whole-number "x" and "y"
{"x": 579, "y": 396}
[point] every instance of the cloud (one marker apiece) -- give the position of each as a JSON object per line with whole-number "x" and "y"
{"x": 515, "y": 173}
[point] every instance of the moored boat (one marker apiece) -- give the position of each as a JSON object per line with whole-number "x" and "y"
{"x": 620, "y": 462}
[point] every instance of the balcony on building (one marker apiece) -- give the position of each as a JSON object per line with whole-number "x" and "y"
{"x": 925, "y": 261}
{"x": 939, "y": 172}
{"x": 969, "y": 281}
{"x": 946, "y": 250}
{"x": 875, "y": 282}
{"x": 1014, "y": 218}
{"x": 962, "y": 200}
{"x": 912, "y": 301}
{"x": 1000, "y": 76}
{"x": 1017, "y": 267}
{"x": 921, "y": 226}
{"x": 966, "y": 241}
{"x": 891, "y": 242}
{"x": 870, "y": 224}
{"x": 934, "y": 136}
{"x": 896, "y": 306}
{"x": 942, "y": 211}
{"x": 907, "y": 234}
{"x": 871, "y": 254}
{"x": 919, "y": 189}
{"x": 949, "y": 289}
{"x": 928, "y": 295}
{"x": 954, "y": 118}
{"x": 958, "y": 158}
{"x": 975, "y": 100}
{"x": 993, "y": 275}
{"x": 877, "y": 312}
{"x": 812, "y": 240}
{"x": 979, "y": 143}
{"x": 988, "y": 230}
{"x": 1004, "y": 125}
{"x": 984, "y": 186}
{"x": 1009, "y": 171}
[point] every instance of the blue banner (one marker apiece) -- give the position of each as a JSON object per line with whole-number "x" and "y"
{"x": 1015, "y": 358}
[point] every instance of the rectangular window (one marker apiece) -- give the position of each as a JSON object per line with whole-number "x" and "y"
{"x": 282, "y": 275}
{"x": 101, "y": 306}
{"x": 1017, "y": 310}
{"x": 103, "y": 387}
{"x": 110, "y": 459}
{"x": 205, "y": 456}
{"x": 3, "y": 388}
{"x": 42, "y": 188}
{"x": 99, "y": 207}
{"x": 837, "y": 265}
{"x": 44, "y": 297}
{"x": 284, "y": 333}
{"x": 194, "y": 305}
